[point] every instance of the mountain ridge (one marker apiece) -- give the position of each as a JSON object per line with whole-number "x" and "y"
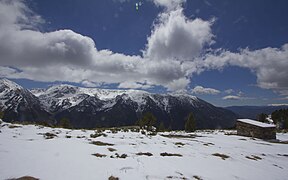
{"x": 251, "y": 112}
{"x": 94, "y": 107}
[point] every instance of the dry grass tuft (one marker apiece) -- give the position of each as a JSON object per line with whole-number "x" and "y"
{"x": 144, "y": 154}
{"x": 179, "y": 144}
{"x": 25, "y": 178}
{"x": 223, "y": 156}
{"x": 113, "y": 178}
{"x": 99, "y": 155}
{"x": 99, "y": 143}
{"x": 111, "y": 149}
{"x": 12, "y": 126}
{"x": 49, "y": 135}
{"x": 254, "y": 157}
{"x": 179, "y": 136}
{"x": 170, "y": 154}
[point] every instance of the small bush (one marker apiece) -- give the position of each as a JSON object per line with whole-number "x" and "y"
{"x": 170, "y": 154}
{"x": 49, "y": 135}
{"x": 179, "y": 136}
{"x": 25, "y": 178}
{"x": 113, "y": 178}
{"x": 67, "y": 136}
{"x": 111, "y": 149}
{"x": 152, "y": 133}
{"x": 123, "y": 156}
{"x": 143, "y": 132}
{"x": 179, "y": 144}
{"x": 126, "y": 130}
{"x": 197, "y": 177}
{"x": 223, "y": 156}
{"x": 114, "y": 131}
{"x": 208, "y": 144}
{"x": 99, "y": 155}
{"x": 99, "y": 143}
{"x": 285, "y": 155}
{"x": 80, "y": 137}
{"x": 254, "y": 157}
{"x": 12, "y": 126}
{"x": 144, "y": 154}
{"x": 135, "y": 130}
{"x": 98, "y": 135}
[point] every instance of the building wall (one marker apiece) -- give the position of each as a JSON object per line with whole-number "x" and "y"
{"x": 250, "y": 130}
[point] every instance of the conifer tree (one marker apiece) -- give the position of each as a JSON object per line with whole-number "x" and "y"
{"x": 190, "y": 124}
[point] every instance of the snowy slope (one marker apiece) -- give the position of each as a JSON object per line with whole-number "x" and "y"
{"x": 19, "y": 104}
{"x": 24, "y": 151}
{"x": 9, "y": 91}
{"x": 66, "y": 96}
{"x": 93, "y": 107}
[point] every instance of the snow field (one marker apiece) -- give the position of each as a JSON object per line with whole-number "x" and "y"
{"x": 25, "y": 151}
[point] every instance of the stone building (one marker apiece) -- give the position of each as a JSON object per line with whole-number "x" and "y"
{"x": 252, "y": 128}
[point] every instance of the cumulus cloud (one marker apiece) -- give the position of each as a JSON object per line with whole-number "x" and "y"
{"x": 269, "y": 65}
{"x": 237, "y": 97}
{"x": 277, "y": 104}
{"x": 134, "y": 85}
{"x": 202, "y": 90}
{"x": 229, "y": 91}
{"x": 175, "y": 51}
{"x": 178, "y": 84}
{"x": 176, "y": 37}
{"x": 169, "y": 4}
{"x": 91, "y": 84}
{"x": 68, "y": 56}
{"x": 231, "y": 97}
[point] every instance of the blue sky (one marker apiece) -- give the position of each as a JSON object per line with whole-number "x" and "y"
{"x": 225, "y": 52}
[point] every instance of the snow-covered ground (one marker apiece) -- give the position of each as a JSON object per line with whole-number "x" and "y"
{"x": 25, "y": 151}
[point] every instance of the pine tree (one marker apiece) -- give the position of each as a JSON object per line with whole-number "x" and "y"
{"x": 148, "y": 120}
{"x": 65, "y": 123}
{"x": 281, "y": 117}
{"x": 262, "y": 117}
{"x": 161, "y": 127}
{"x": 1, "y": 114}
{"x": 190, "y": 124}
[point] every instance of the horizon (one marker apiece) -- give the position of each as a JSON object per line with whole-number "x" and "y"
{"x": 226, "y": 53}
{"x": 166, "y": 93}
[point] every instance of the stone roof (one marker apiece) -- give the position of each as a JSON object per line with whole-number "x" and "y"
{"x": 256, "y": 123}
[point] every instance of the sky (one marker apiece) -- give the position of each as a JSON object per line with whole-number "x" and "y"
{"x": 225, "y": 52}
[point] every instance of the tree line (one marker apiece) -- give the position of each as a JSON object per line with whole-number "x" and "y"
{"x": 148, "y": 121}
{"x": 279, "y": 117}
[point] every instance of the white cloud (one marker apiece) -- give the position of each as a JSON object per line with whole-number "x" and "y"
{"x": 277, "y": 104}
{"x": 269, "y": 65}
{"x": 176, "y": 37}
{"x": 88, "y": 83}
{"x": 229, "y": 91}
{"x": 6, "y": 71}
{"x": 169, "y": 4}
{"x": 174, "y": 52}
{"x": 178, "y": 84}
{"x": 202, "y": 90}
{"x": 68, "y": 56}
{"x": 231, "y": 97}
{"x": 134, "y": 85}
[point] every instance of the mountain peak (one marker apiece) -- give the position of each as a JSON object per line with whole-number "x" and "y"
{"x": 5, "y": 83}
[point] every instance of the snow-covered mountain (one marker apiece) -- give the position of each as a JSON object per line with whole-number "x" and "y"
{"x": 19, "y": 104}
{"x": 92, "y": 107}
